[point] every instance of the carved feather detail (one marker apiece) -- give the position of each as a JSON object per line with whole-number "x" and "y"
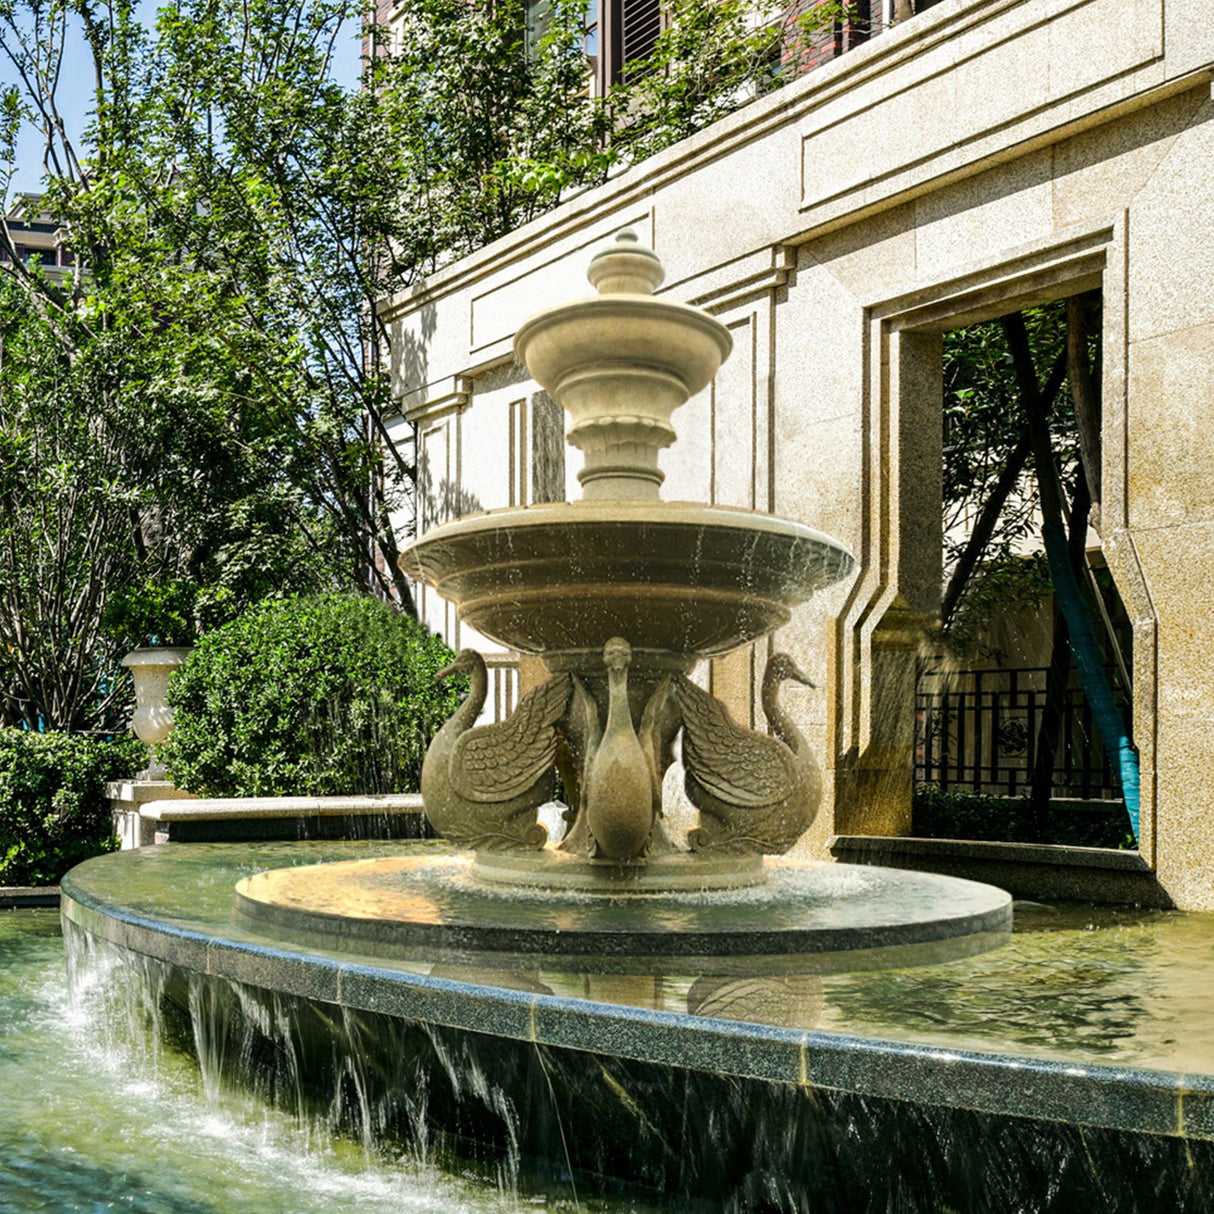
{"x": 482, "y": 786}
{"x": 755, "y": 792}
{"x": 502, "y": 761}
{"x": 736, "y": 764}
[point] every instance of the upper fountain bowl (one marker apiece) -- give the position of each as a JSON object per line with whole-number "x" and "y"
{"x": 681, "y": 580}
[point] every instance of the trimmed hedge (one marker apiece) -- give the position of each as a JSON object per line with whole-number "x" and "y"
{"x": 960, "y": 814}
{"x": 332, "y": 694}
{"x": 53, "y": 808}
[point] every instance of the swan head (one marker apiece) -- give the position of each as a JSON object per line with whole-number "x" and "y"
{"x": 465, "y": 663}
{"x": 781, "y": 666}
{"x": 617, "y": 654}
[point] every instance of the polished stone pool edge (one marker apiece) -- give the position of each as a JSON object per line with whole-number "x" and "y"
{"x": 1133, "y": 1099}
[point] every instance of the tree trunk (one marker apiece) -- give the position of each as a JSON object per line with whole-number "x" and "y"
{"x": 1049, "y": 727}
{"x": 1086, "y": 395}
{"x": 988, "y": 516}
{"x": 1058, "y": 677}
{"x": 1067, "y": 588}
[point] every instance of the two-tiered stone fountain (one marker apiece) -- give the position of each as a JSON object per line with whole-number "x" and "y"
{"x": 617, "y": 1006}
{"x": 622, "y": 594}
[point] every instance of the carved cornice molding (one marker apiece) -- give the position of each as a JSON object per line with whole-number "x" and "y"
{"x": 433, "y": 401}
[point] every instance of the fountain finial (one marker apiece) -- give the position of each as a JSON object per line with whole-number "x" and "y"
{"x": 625, "y": 267}
{"x": 621, "y": 362}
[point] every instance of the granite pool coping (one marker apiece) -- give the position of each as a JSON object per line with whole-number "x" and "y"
{"x": 1140, "y": 1099}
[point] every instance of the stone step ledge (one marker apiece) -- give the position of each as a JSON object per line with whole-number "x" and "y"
{"x": 203, "y": 809}
{"x": 13, "y": 897}
{"x": 1036, "y": 871}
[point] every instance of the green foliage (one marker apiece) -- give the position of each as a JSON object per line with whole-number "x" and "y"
{"x": 53, "y": 809}
{"x": 983, "y": 421}
{"x": 124, "y": 495}
{"x": 985, "y": 438}
{"x": 183, "y": 421}
{"x": 325, "y": 695}
{"x": 489, "y": 122}
{"x": 711, "y": 58}
{"x": 196, "y": 416}
{"x": 960, "y": 814}
{"x": 156, "y": 613}
{"x": 1007, "y": 585}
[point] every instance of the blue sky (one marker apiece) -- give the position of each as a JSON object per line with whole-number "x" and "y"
{"x": 76, "y": 100}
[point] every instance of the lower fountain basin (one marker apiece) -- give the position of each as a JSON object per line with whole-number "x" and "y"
{"x": 675, "y": 577}
{"x": 1074, "y": 1062}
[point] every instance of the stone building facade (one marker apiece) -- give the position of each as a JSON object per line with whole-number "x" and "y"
{"x": 31, "y": 235}
{"x": 983, "y": 156}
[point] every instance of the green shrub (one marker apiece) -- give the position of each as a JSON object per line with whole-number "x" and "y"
{"x": 961, "y": 814}
{"x": 53, "y": 808}
{"x": 323, "y": 695}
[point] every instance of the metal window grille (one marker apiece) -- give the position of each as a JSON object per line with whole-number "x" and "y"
{"x": 640, "y": 22}
{"x": 977, "y": 730}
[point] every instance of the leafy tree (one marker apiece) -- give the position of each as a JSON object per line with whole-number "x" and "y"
{"x": 208, "y": 386}
{"x": 490, "y": 123}
{"x": 152, "y": 485}
{"x": 712, "y": 57}
{"x": 990, "y": 499}
{"x": 1022, "y": 456}
{"x": 121, "y": 487}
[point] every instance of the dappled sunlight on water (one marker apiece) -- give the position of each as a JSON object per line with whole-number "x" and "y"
{"x": 1090, "y": 984}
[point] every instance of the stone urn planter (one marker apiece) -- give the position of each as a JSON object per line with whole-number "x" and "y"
{"x": 151, "y": 669}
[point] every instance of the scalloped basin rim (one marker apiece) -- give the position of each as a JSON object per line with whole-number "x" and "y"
{"x": 674, "y": 577}
{"x": 624, "y": 511}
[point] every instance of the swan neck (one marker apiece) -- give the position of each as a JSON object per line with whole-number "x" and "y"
{"x": 778, "y": 720}
{"x": 618, "y": 715}
{"x": 467, "y": 713}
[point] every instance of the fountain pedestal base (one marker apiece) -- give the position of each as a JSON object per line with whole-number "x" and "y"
{"x": 677, "y": 872}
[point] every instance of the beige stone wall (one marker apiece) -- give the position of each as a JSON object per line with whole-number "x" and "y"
{"x": 986, "y": 155}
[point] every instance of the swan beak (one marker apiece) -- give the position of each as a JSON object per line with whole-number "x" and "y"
{"x": 447, "y": 671}
{"x": 799, "y": 676}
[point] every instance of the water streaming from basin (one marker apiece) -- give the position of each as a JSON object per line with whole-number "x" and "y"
{"x": 104, "y": 1104}
{"x": 114, "y": 1099}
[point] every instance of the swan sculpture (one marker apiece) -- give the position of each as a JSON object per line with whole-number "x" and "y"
{"x": 482, "y": 786}
{"x": 755, "y": 792}
{"x": 619, "y": 787}
{"x": 583, "y": 732}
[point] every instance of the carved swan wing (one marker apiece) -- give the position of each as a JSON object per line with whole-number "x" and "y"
{"x": 502, "y": 761}
{"x": 737, "y": 765}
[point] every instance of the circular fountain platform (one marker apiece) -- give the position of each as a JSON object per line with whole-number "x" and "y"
{"x": 420, "y": 905}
